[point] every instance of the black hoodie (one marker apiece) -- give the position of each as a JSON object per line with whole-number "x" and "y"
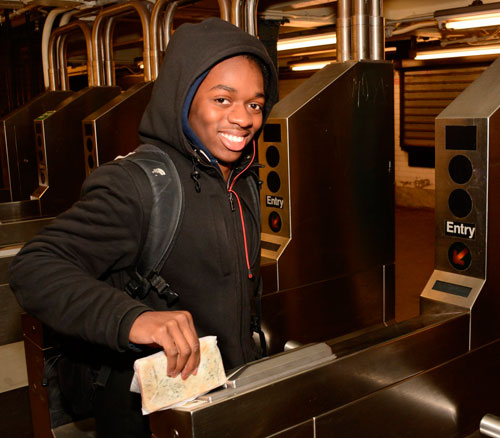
{"x": 71, "y": 275}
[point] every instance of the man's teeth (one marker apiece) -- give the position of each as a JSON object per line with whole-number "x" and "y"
{"x": 233, "y": 138}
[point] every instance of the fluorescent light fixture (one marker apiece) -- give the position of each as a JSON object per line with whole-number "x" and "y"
{"x": 310, "y": 66}
{"x": 470, "y": 17}
{"x": 307, "y": 41}
{"x": 474, "y": 22}
{"x": 455, "y": 53}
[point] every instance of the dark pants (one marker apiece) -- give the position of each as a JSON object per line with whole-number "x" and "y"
{"x": 117, "y": 411}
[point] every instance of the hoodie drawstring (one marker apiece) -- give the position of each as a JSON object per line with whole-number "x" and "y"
{"x": 232, "y": 192}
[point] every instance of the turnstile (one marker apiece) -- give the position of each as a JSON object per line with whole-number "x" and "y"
{"x": 17, "y": 145}
{"x": 60, "y": 159}
{"x": 112, "y": 130}
{"x": 327, "y": 203}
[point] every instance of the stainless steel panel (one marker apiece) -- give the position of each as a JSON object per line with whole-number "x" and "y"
{"x": 60, "y": 159}
{"x": 329, "y": 182}
{"x": 381, "y": 359}
{"x": 11, "y": 211}
{"x": 304, "y": 430}
{"x": 323, "y": 310}
{"x": 19, "y": 232}
{"x": 467, "y": 228}
{"x": 447, "y": 401}
{"x": 10, "y": 317}
{"x": 112, "y": 130}
{"x": 336, "y": 174}
{"x": 17, "y": 143}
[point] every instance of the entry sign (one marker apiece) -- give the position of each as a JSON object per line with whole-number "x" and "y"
{"x": 459, "y": 229}
{"x": 274, "y": 201}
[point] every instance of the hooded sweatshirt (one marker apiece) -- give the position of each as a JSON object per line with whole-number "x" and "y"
{"x": 71, "y": 275}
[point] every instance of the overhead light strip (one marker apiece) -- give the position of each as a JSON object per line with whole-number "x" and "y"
{"x": 474, "y": 22}
{"x": 456, "y": 53}
{"x": 310, "y": 66}
{"x": 307, "y": 41}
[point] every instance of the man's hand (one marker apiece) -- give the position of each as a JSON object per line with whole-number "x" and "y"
{"x": 173, "y": 331}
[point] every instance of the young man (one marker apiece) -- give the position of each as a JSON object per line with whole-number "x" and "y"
{"x": 215, "y": 89}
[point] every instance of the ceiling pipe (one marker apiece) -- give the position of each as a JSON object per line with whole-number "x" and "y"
{"x": 154, "y": 31}
{"x": 251, "y": 16}
{"x": 62, "y": 62}
{"x": 225, "y": 9}
{"x": 66, "y": 18}
{"x": 344, "y": 21}
{"x": 111, "y": 11}
{"x": 159, "y": 37}
{"x": 108, "y": 50}
{"x": 237, "y": 13}
{"x": 360, "y": 33}
{"x": 52, "y": 65}
{"x": 168, "y": 19}
{"x": 47, "y": 30}
{"x": 377, "y": 31}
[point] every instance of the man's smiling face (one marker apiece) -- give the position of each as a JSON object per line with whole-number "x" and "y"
{"x": 226, "y": 111}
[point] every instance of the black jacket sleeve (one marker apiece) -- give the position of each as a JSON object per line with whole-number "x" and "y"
{"x": 59, "y": 276}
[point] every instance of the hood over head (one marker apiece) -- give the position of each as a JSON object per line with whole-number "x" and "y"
{"x": 192, "y": 51}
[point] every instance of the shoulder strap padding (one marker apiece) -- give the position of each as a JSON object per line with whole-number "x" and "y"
{"x": 167, "y": 208}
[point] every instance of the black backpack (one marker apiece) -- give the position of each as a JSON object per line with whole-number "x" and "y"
{"x": 166, "y": 214}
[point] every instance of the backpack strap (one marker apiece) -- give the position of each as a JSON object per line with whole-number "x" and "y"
{"x": 167, "y": 209}
{"x": 256, "y": 319}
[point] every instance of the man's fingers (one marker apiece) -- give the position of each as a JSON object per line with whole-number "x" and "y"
{"x": 174, "y": 331}
{"x": 172, "y": 354}
{"x": 182, "y": 347}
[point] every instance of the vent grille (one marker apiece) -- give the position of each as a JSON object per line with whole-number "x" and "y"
{"x": 425, "y": 93}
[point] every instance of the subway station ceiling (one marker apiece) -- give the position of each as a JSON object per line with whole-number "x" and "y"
{"x": 411, "y": 26}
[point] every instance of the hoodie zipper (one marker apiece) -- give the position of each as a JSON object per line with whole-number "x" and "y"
{"x": 233, "y": 195}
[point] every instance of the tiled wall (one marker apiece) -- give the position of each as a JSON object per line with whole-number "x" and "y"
{"x": 415, "y": 186}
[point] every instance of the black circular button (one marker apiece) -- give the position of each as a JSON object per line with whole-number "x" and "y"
{"x": 273, "y": 181}
{"x": 460, "y": 169}
{"x": 460, "y": 203}
{"x": 275, "y": 221}
{"x": 89, "y": 144}
{"x": 272, "y": 156}
{"x": 459, "y": 256}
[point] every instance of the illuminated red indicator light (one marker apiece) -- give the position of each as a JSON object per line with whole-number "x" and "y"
{"x": 275, "y": 222}
{"x": 459, "y": 256}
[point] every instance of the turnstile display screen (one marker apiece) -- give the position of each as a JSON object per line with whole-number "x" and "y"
{"x": 272, "y": 132}
{"x": 461, "y": 138}
{"x": 450, "y": 288}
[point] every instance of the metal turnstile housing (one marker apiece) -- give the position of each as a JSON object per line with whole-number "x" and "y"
{"x": 327, "y": 204}
{"x": 17, "y": 145}
{"x": 112, "y": 129}
{"x": 60, "y": 159}
{"x": 467, "y": 207}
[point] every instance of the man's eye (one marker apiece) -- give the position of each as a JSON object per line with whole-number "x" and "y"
{"x": 256, "y": 106}
{"x": 221, "y": 100}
